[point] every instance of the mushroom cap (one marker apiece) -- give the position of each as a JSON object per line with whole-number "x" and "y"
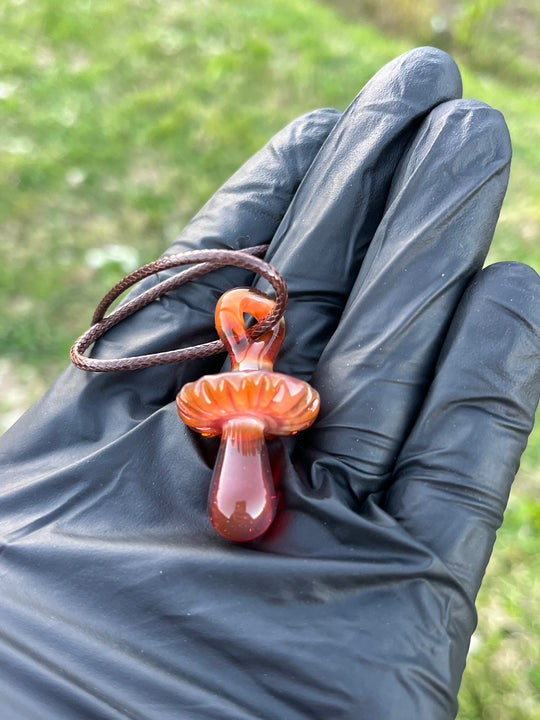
{"x": 284, "y": 404}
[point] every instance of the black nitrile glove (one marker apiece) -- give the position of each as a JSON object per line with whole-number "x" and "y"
{"x": 118, "y": 599}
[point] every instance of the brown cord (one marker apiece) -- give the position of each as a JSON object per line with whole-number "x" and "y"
{"x": 204, "y": 261}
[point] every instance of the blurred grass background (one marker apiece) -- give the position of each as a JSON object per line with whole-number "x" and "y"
{"x": 119, "y": 118}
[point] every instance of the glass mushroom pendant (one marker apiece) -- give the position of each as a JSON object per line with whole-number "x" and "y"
{"x": 244, "y": 406}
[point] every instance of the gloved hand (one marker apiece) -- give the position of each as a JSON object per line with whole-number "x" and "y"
{"x": 117, "y": 597}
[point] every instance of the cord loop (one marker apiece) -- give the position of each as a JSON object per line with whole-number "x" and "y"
{"x": 203, "y": 261}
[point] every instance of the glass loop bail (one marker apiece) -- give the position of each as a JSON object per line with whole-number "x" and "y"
{"x": 245, "y": 352}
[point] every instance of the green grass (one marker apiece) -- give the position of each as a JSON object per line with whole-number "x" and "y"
{"x": 502, "y": 680}
{"x": 120, "y": 118}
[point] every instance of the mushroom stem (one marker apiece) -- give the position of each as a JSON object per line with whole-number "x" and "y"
{"x": 242, "y": 500}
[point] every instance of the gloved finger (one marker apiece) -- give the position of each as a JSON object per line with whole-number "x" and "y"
{"x": 249, "y": 208}
{"x": 324, "y": 235}
{"x": 454, "y": 472}
{"x": 441, "y": 214}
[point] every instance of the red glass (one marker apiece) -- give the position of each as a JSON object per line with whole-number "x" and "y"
{"x": 244, "y": 406}
{"x": 242, "y": 509}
